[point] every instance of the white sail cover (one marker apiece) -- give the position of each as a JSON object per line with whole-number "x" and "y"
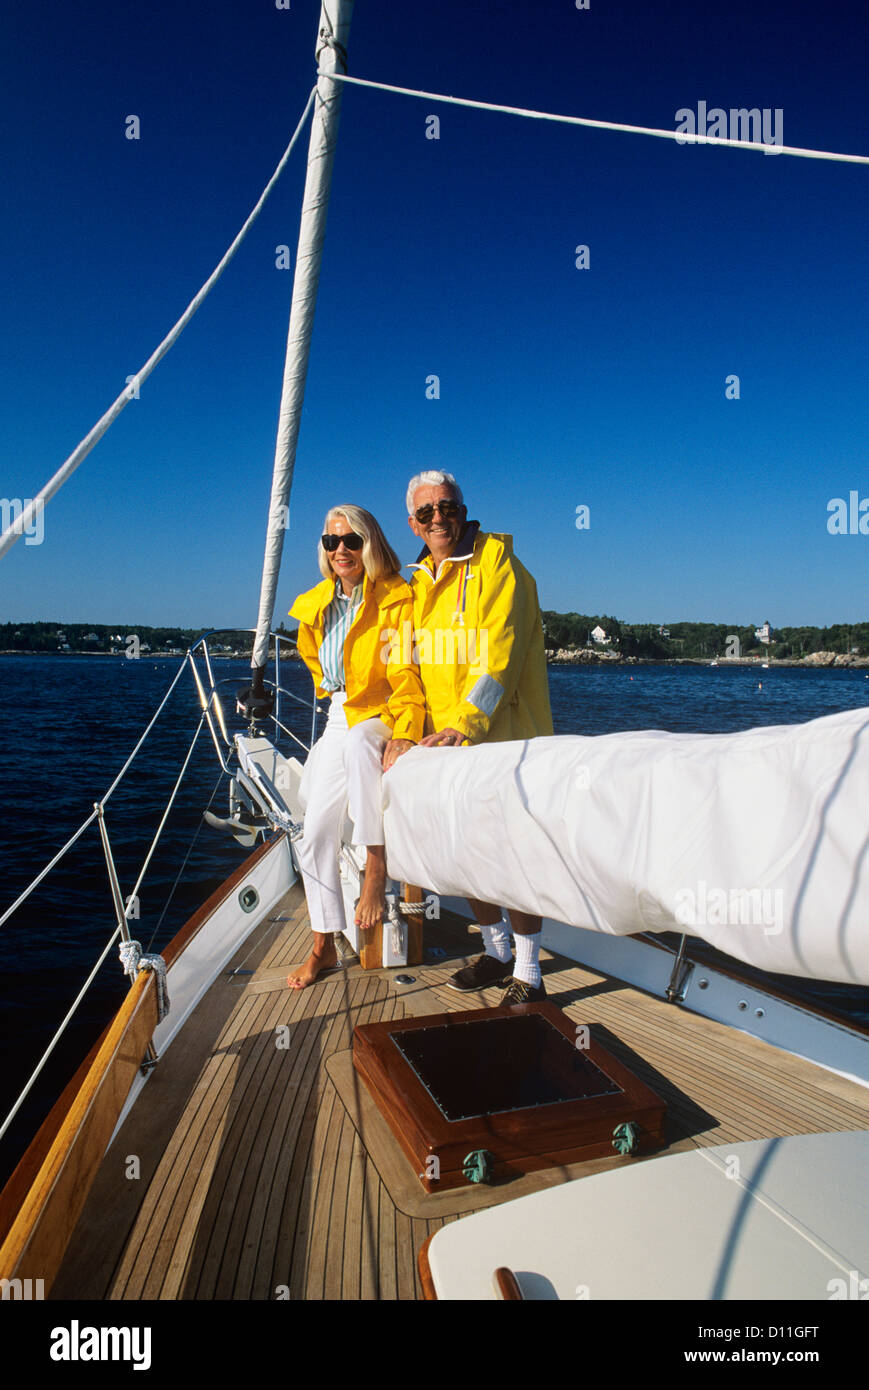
{"x": 757, "y": 841}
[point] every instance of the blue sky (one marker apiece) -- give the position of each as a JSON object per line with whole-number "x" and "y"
{"x": 455, "y": 257}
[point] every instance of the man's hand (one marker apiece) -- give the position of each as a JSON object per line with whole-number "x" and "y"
{"x": 394, "y": 749}
{"x": 447, "y": 738}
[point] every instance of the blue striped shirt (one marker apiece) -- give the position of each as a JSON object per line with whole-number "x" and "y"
{"x": 336, "y": 624}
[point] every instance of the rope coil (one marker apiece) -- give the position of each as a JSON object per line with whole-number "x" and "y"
{"x": 133, "y": 961}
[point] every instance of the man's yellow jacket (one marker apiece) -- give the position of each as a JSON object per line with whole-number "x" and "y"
{"x": 478, "y": 638}
{"x": 380, "y": 683}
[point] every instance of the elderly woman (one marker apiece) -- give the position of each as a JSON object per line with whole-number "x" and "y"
{"x": 349, "y": 627}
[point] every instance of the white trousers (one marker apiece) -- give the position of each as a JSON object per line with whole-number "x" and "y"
{"x": 341, "y": 777}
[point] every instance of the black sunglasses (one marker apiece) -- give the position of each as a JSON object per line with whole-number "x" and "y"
{"x": 449, "y": 508}
{"x": 351, "y": 540}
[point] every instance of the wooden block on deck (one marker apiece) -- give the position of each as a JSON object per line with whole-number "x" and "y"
{"x": 371, "y": 947}
{"x": 513, "y": 1082}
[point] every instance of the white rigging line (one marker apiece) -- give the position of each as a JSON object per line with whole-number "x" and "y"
{"x": 674, "y": 134}
{"x": 51, "y": 1046}
{"x": 95, "y": 813}
{"x": 19, "y": 525}
{"x": 113, "y": 938}
{"x": 169, "y": 805}
{"x": 80, "y": 453}
{"x": 60, "y": 853}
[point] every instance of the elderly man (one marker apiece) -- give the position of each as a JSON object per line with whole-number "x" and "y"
{"x": 488, "y": 687}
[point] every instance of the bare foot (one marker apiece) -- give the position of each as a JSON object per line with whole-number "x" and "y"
{"x": 321, "y": 958}
{"x": 372, "y": 899}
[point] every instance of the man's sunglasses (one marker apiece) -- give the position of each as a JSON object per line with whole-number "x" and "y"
{"x": 449, "y": 509}
{"x": 351, "y": 540}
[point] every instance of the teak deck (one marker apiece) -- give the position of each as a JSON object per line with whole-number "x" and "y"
{"x": 240, "y": 1172}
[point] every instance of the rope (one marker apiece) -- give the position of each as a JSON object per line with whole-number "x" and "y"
{"x": 326, "y": 39}
{"x": 147, "y": 731}
{"x": 190, "y": 848}
{"x": 60, "y": 853}
{"x": 133, "y": 961}
{"x": 79, "y": 454}
{"x": 169, "y": 804}
{"x": 54, "y": 1041}
{"x": 93, "y": 816}
{"x": 290, "y": 733}
{"x": 679, "y": 135}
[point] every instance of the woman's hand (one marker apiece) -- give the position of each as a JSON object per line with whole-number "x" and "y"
{"x": 394, "y": 749}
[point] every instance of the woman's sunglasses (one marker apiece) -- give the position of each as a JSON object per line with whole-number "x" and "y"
{"x": 448, "y": 509}
{"x": 351, "y": 540}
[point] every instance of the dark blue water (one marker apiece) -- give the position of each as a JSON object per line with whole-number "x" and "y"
{"x": 68, "y": 724}
{"x": 698, "y": 699}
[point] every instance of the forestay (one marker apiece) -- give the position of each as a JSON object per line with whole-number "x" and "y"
{"x": 755, "y": 841}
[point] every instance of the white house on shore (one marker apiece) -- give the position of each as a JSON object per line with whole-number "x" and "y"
{"x": 764, "y": 633}
{"x": 598, "y": 635}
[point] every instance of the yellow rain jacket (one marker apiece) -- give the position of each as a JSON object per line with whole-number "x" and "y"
{"x": 478, "y": 637}
{"x": 380, "y": 683}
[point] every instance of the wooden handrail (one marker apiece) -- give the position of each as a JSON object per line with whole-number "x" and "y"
{"x": 42, "y": 1201}
{"x": 45, "y": 1222}
{"x": 24, "y": 1174}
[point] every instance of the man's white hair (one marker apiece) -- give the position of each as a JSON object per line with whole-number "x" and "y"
{"x": 435, "y": 477}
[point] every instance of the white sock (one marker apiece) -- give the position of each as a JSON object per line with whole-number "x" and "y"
{"x": 496, "y": 940}
{"x": 527, "y": 967}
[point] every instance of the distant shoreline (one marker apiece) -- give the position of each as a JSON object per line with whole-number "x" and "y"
{"x": 812, "y": 661}
{"x": 822, "y": 661}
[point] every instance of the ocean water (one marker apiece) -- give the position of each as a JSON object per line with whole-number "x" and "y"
{"x": 68, "y": 724}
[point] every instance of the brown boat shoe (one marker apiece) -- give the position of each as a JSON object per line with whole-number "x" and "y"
{"x": 484, "y": 971}
{"x": 520, "y": 992}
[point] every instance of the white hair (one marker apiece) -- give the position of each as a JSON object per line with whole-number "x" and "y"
{"x": 435, "y": 477}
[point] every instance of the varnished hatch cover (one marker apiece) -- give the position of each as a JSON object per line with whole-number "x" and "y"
{"x": 526, "y": 1084}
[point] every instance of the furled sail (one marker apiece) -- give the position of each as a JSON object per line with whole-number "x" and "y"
{"x": 333, "y": 32}
{"x": 756, "y": 841}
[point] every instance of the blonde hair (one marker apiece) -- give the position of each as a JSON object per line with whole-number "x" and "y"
{"x": 378, "y": 557}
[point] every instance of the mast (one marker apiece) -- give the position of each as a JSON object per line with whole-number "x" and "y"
{"x": 331, "y": 56}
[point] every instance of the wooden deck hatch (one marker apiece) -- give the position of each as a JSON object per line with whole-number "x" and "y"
{"x": 511, "y": 1081}
{"x": 491, "y": 1065}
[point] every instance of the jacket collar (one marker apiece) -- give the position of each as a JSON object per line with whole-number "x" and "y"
{"x": 388, "y": 590}
{"x": 464, "y": 548}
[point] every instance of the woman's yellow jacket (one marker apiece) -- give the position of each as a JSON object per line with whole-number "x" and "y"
{"x": 381, "y": 679}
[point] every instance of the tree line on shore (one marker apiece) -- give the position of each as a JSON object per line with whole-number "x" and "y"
{"x": 658, "y": 642}
{"x": 99, "y": 637}
{"x": 655, "y": 642}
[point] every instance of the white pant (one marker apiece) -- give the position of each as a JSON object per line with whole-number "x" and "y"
{"x": 342, "y": 776}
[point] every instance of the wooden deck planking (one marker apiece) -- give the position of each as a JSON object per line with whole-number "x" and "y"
{"x": 694, "y": 1063}
{"x": 298, "y": 1238}
{"x": 176, "y": 1192}
{"x": 213, "y": 1138}
{"x": 276, "y": 1111}
{"x": 241, "y": 1170}
{"x": 284, "y": 1220}
{"x": 265, "y": 1183}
